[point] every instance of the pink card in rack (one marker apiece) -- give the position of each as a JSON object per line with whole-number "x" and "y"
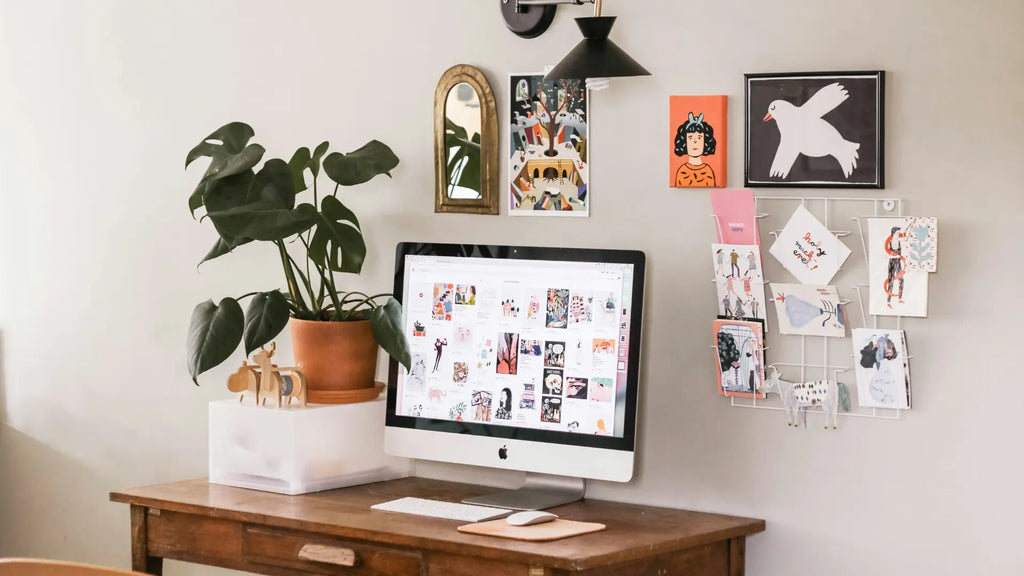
{"x": 736, "y": 217}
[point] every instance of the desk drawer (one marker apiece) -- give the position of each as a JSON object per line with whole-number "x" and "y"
{"x": 317, "y": 554}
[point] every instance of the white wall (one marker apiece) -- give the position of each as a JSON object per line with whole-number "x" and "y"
{"x": 100, "y": 100}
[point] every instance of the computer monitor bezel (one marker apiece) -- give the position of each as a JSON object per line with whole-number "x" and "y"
{"x": 627, "y": 442}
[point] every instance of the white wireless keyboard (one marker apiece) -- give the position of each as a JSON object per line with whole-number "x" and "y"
{"x": 439, "y": 509}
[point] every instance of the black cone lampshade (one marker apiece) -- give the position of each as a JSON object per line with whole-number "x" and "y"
{"x": 596, "y": 56}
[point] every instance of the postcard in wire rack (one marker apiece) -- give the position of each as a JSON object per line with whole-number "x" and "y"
{"x": 808, "y": 249}
{"x": 736, "y": 216}
{"x": 809, "y": 310}
{"x": 883, "y": 368}
{"x": 740, "y": 347}
{"x": 739, "y": 280}
{"x": 897, "y": 288}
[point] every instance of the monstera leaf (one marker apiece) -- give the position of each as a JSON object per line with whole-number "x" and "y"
{"x": 224, "y": 245}
{"x": 360, "y": 166}
{"x": 213, "y": 334}
{"x": 303, "y": 160}
{"x": 266, "y": 316}
{"x": 463, "y": 167}
{"x": 229, "y": 155}
{"x": 337, "y": 243}
{"x": 267, "y": 211}
{"x": 386, "y": 325}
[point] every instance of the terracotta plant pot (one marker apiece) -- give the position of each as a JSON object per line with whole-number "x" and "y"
{"x": 338, "y": 359}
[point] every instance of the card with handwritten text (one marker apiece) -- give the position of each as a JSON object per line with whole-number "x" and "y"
{"x": 808, "y": 249}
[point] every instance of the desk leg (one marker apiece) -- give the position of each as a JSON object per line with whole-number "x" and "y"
{"x": 141, "y": 560}
{"x": 737, "y": 555}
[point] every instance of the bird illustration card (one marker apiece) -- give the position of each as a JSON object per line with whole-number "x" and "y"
{"x": 548, "y": 163}
{"x": 808, "y": 249}
{"x": 816, "y": 129}
{"x": 896, "y": 288}
{"x": 883, "y": 369}
{"x": 697, "y": 138}
{"x": 740, "y": 347}
{"x": 735, "y": 216}
{"x": 809, "y": 310}
{"x": 739, "y": 279}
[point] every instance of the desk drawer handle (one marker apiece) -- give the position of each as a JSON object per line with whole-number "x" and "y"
{"x": 328, "y": 554}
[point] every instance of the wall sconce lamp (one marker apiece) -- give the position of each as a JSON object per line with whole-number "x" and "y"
{"x": 595, "y": 57}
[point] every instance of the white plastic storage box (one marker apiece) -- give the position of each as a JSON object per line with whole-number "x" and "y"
{"x": 299, "y": 449}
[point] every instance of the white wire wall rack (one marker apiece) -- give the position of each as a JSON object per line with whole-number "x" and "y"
{"x": 814, "y": 355}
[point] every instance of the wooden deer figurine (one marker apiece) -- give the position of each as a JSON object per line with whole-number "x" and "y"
{"x": 264, "y": 379}
{"x": 277, "y": 382}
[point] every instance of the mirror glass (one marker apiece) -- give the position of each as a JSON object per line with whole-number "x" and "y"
{"x": 462, "y": 140}
{"x": 465, "y": 143}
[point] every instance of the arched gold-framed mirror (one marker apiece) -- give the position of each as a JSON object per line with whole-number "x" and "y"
{"x": 465, "y": 143}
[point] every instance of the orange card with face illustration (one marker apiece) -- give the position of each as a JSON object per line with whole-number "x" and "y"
{"x": 697, "y": 141}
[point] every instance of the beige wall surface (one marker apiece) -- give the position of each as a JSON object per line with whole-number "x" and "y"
{"x": 100, "y": 100}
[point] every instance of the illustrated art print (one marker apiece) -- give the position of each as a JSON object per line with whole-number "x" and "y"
{"x": 816, "y": 129}
{"x": 602, "y": 390}
{"x": 581, "y": 308}
{"x": 739, "y": 280}
{"x": 809, "y": 310}
{"x": 883, "y": 369}
{"x": 508, "y": 353}
{"x": 576, "y": 388}
{"x": 551, "y": 409}
{"x": 735, "y": 216}
{"x": 557, "y": 308}
{"x": 552, "y": 381}
{"x": 548, "y": 167}
{"x": 554, "y": 354}
{"x": 503, "y": 411}
{"x": 740, "y": 346}
{"x": 923, "y": 236}
{"x": 697, "y": 141}
{"x": 481, "y": 400}
{"x": 444, "y": 296}
{"x": 465, "y": 295}
{"x": 808, "y": 249}
{"x": 897, "y": 289}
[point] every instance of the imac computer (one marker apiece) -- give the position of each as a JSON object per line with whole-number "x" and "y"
{"x": 523, "y": 358}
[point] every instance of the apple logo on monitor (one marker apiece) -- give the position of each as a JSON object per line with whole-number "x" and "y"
{"x": 503, "y": 452}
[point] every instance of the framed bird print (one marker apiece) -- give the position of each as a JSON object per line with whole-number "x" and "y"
{"x": 815, "y": 129}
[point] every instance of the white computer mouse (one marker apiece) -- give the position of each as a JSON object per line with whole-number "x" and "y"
{"x": 530, "y": 517}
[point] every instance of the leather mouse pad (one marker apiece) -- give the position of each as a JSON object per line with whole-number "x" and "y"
{"x": 553, "y": 530}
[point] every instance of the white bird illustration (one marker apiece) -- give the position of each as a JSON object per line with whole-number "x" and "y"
{"x": 803, "y": 131}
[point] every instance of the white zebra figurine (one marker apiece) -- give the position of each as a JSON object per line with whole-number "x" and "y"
{"x": 795, "y": 396}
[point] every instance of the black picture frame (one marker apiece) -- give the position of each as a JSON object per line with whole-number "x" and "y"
{"x": 850, "y": 129}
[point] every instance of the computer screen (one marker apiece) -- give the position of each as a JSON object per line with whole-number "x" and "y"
{"x": 522, "y": 357}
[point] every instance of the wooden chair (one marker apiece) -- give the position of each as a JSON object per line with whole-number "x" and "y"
{"x": 35, "y": 567}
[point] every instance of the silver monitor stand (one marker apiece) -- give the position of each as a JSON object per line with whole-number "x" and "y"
{"x": 539, "y": 491}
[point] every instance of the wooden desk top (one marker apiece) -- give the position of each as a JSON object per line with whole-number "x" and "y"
{"x": 633, "y": 532}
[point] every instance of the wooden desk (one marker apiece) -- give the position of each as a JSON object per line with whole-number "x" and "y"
{"x": 267, "y": 533}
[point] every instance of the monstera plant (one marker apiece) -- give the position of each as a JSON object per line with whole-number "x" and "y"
{"x": 313, "y": 240}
